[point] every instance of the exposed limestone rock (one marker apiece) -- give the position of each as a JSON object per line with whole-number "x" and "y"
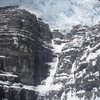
{"x": 24, "y": 50}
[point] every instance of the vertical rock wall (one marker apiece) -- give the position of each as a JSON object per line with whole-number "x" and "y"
{"x": 24, "y": 50}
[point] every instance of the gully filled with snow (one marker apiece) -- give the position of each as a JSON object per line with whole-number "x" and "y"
{"x": 48, "y": 84}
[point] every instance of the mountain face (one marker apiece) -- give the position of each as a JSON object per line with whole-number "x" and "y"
{"x": 24, "y": 50}
{"x": 77, "y": 75}
{"x": 37, "y": 64}
{"x": 62, "y": 14}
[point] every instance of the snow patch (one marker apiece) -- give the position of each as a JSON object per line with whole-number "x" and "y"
{"x": 58, "y": 48}
{"x": 48, "y": 85}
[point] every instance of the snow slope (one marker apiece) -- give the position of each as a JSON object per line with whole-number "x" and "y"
{"x": 62, "y": 14}
{"x": 48, "y": 83}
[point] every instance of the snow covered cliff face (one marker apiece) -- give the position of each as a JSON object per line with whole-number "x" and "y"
{"x": 75, "y": 70}
{"x": 61, "y": 13}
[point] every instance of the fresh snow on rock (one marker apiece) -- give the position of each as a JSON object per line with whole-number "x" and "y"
{"x": 47, "y": 84}
{"x": 57, "y": 48}
{"x": 8, "y": 74}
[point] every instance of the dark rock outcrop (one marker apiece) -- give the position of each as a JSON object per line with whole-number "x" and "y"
{"x": 57, "y": 34}
{"x": 24, "y": 50}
